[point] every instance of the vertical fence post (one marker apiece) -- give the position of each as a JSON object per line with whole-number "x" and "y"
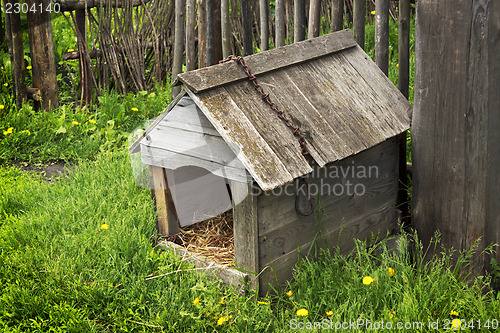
{"x": 359, "y": 22}
{"x": 382, "y": 35}
{"x": 202, "y": 32}
{"x": 264, "y": 25}
{"x": 404, "y": 47}
{"x": 314, "y": 19}
{"x": 280, "y": 23}
{"x": 456, "y": 124}
{"x": 209, "y": 38}
{"x": 299, "y": 20}
{"x": 83, "y": 66}
{"x": 225, "y": 28}
{"x": 179, "y": 38}
{"x": 190, "y": 30}
{"x": 337, "y": 15}
{"x": 42, "y": 54}
{"x": 246, "y": 20}
{"x": 16, "y": 48}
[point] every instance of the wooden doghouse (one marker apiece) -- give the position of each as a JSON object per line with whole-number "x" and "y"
{"x": 350, "y": 115}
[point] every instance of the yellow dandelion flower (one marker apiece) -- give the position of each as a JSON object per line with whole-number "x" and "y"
{"x": 28, "y": 132}
{"x": 454, "y": 313}
{"x": 391, "y": 315}
{"x": 368, "y": 280}
{"x": 70, "y": 50}
{"x": 92, "y": 121}
{"x": 372, "y": 12}
{"x": 104, "y": 226}
{"x": 263, "y": 303}
{"x": 391, "y": 271}
{"x": 406, "y": 281}
{"x": 8, "y": 131}
{"x": 135, "y": 109}
{"x": 196, "y": 300}
{"x": 222, "y": 320}
{"x": 6, "y": 84}
{"x": 455, "y": 323}
{"x": 74, "y": 122}
{"x": 329, "y": 313}
{"x": 222, "y": 302}
{"x": 302, "y": 312}
{"x": 397, "y": 65}
{"x": 289, "y": 293}
{"x": 28, "y": 68}
{"x": 2, "y": 107}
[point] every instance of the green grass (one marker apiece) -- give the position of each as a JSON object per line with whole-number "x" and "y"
{"x": 70, "y": 133}
{"x": 60, "y": 271}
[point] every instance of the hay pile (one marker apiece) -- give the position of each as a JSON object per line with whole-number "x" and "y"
{"x": 211, "y": 238}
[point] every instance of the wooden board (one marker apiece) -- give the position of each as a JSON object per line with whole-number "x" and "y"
{"x": 221, "y": 74}
{"x": 283, "y": 230}
{"x": 167, "y": 222}
{"x": 246, "y": 230}
{"x": 280, "y": 270}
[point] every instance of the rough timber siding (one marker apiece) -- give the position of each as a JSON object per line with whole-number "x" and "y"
{"x": 285, "y": 236}
{"x": 341, "y": 100}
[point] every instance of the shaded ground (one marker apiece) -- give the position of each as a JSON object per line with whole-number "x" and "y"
{"x": 51, "y": 171}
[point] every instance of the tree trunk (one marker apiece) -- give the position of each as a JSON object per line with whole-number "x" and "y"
{"x": 359, "y": 22}
{"x": 382, "y": 35}
{"x": 42, "y": 54}
{"x": 456, "y": 123}
{"x": 264, "y": 25}
{"x": 280, "y": 23}
{"x": 314, "y": 19}
{"x": 337, "y": 15}
{"x": 299, "y": 22}
{"x": 179, "y": 38}
{"x": 16, "y": 49}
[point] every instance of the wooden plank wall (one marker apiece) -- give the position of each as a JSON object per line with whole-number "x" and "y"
{"x": 456, "y": 123}
{"x": 285, "y": 236}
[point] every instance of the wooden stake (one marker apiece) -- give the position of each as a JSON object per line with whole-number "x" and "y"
{"x": 337, "y": 15}
{"x": 314, "y": 19}
{"x": 359, "y": 22}
{"x": 382, "y": 35}
{"x": 280, "y": 23}
{"x": 264, "y": 25}
{"x": 190, "y": 35}
{"x": 167, "y": 221}
{"x": 179, "y": 38}
{"x": 299, "y": 20}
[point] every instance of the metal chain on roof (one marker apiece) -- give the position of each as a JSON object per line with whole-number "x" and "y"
{"x": 288, "y": 122}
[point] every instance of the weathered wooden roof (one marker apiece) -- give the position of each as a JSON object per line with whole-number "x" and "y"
{"x": 328, "y": 85}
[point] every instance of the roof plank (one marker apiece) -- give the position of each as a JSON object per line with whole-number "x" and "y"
{"x": 236, "y": 129}
{"x": 221, "y": 74}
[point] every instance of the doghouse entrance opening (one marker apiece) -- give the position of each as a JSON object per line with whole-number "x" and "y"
{"x": 212, "y": 238}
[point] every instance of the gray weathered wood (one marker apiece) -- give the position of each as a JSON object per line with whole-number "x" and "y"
{"x": 202, "y": 32}
{"x": 404, "y": 47}
{"x": 314, "y": 19}
{"x": 280, "y": 270}
{"x": 70, "y": 5}
{"x": 455, "y": 133}
{"x": 225, "y": 73}
{"x": 337, "y": 15}
{"x": 382, "y": 156}
{"x": 167, "y": 222}
{"x": 135, "y": 146}
{"x": 382, "y": 35}
{"x": 246, "y": 21}
{"x": 226, "y": 28}
{"x": 246, "y": 229}
{"x": 358, "y": 26}
{"x": 42, "y": 54}
{"x": 299, "y": 20}
{"x": 16, "y": 49}
{"x": 256, "y": 154}
{"x": 190, "y": 35}
{"x": 280, "y": 23}
{"x": 209, "y": 39}
{"x": 340, "y": 211}
{"x": 264, "y": 24}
